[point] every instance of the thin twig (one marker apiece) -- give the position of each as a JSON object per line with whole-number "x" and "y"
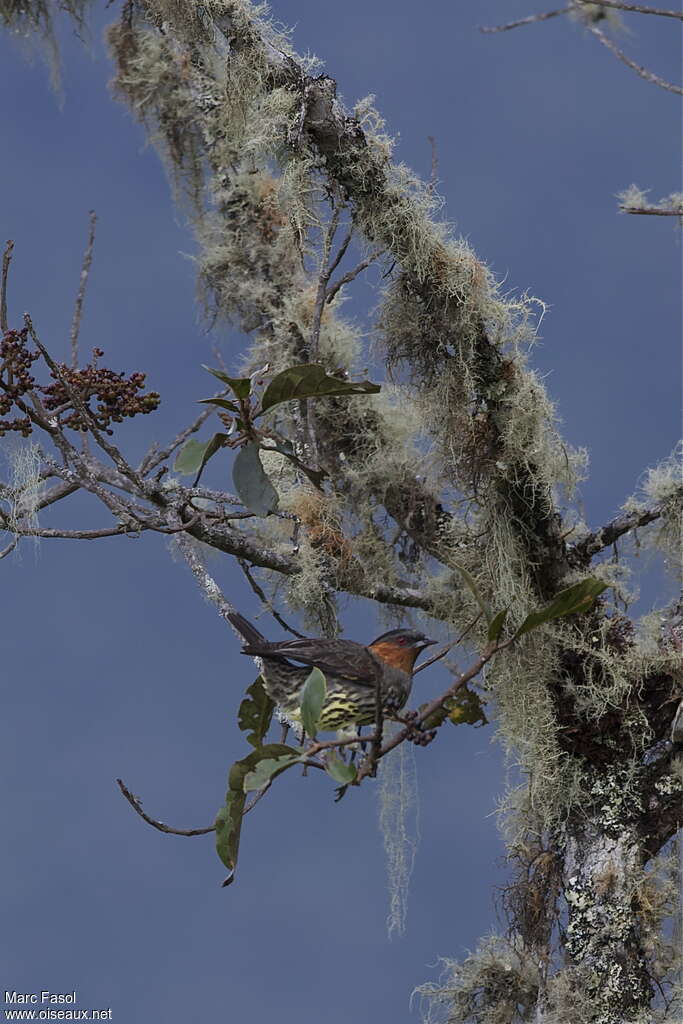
{"x": 444, "y": 650}
{"x": 376, "y": 745}
{"x": 435, "y": 164}
{"x": 207, "y": 583}
{"x": 323, "y": 278}
{"x": 259, "y": 796}
{"x": 82, "y": 407}
{"x": 649, "y": 76}
{"x": 10, "y": 547}
{"x": 134, "y": 802}
{"x": 622, "y": 5}
{"x": 651, "y": 211}
{"x": 530, "y": 19}
{"x": 351, "y": 275}
{"x": 434, "y": 705}
{"x": 580, "y": 554}
{"x": 6, "y": 260}
{"x": 341, "y": 252}
{"x": 114, "y": 531}
{"x": 246, "y": 569}
{"x": 154, "y": 456}
{"x": 82, "y": 285}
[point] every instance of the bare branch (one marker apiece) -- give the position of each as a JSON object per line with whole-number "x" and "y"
{"x": 651, "y": 211}
{"x": 6, "y": 260}
{"x": 341, "y": 251}
{"x": 580, "y": 554}
{"x": 206, "y": 582}
{"x": 529, "y": 20}
{"x": 10, "y": 547}
{"x": 444, "y": 650}
{"x": 435, "y": 164}
{"x": 83, "y": 283}
{"x": 649, "y": 76}
{"x": 111, "y": 449}
{"x": 471, "y": 673}
{"x": 114, "y": 531}
{"x": 351, "y": 275}
{"x": 246, "y": 569}
{"x": 323, "y": 278}
{"x": 622, "y": 5}
{"x": 154, "y": 457}
{"x": 134, "y": 802}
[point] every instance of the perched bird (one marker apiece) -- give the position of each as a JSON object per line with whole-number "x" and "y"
{"x": 351, "y": 671}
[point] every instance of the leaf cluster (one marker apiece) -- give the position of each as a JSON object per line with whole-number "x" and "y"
{"x": 239, "y": 414}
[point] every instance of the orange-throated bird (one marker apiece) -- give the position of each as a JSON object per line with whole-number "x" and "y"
{"x": 351, "y": 671}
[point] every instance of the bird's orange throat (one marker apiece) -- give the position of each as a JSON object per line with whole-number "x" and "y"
{"x": 402, "y": 658}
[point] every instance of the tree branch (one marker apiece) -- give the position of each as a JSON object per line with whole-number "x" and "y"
{"x": 581, "y": 553}
{"x": 649, "y": 76}
{"x": 529, "y": 20}
{"x": 135, "y": 803}
{"x": 83, "y": 283}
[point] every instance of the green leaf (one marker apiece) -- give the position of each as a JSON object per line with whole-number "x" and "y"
{"x": 309, "y": 380}
{"x": 224, "y": 403}
{"x": 475, "y": 591}
{"x": 316, "y": 476}
{"x": 195, "y": 455}
{"x": 255, "y": 713}
{"x": 467, "y": 708}
{"x": 578, "y": 598}
{"x": 241, "y": 386}
{"x": 229, "y": 827}
{"x": 496, "y": 626}
{"x": 312, "y": 700}
{"x": 267, "y": 769}
{"x": 339, "y": 770}
{"x": 251, "y": 483}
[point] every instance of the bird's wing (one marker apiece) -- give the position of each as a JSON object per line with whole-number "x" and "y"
{"x": 333, "y": 657}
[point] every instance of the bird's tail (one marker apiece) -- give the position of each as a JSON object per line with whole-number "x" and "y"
{"x": 243, "y": 626}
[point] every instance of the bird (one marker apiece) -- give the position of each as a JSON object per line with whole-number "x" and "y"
{"x": 352, "y": 672}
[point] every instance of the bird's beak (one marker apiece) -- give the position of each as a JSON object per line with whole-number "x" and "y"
{"x": 427, "y": 643}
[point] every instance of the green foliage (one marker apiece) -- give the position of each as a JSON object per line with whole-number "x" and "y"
{"x": 312, "y": 699}
{"x": 465, "y": 708}
{"x": 242, "y": 774}
{"x": 578, "y": 598}
{"x": 222, "y": 403}
{"x": 267, "y": 769}
{"x": 195, "y": 454}
{"x": 496, "y": 626}
{"x": 253, "y": 486}
{"x": 309, "y": 380}
{"x": 255, "y": 713}
{"x": 339, "y": 770}
{"x": 241, "y": 386}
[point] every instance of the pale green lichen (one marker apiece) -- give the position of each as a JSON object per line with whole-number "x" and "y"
{"x": 399, "y": 822}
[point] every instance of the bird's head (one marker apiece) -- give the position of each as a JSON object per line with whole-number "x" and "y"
{"x": 400, "y": 647}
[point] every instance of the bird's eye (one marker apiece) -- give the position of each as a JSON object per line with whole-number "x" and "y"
{"x": 402, "y": 640}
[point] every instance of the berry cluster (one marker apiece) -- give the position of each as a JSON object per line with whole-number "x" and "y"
{"x": 117, "y": 396}
{"x": 416, "y": 734}
{"x": 16, "y": 379}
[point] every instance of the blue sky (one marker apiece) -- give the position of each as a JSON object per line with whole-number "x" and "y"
{"x": 114, "y": 664}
